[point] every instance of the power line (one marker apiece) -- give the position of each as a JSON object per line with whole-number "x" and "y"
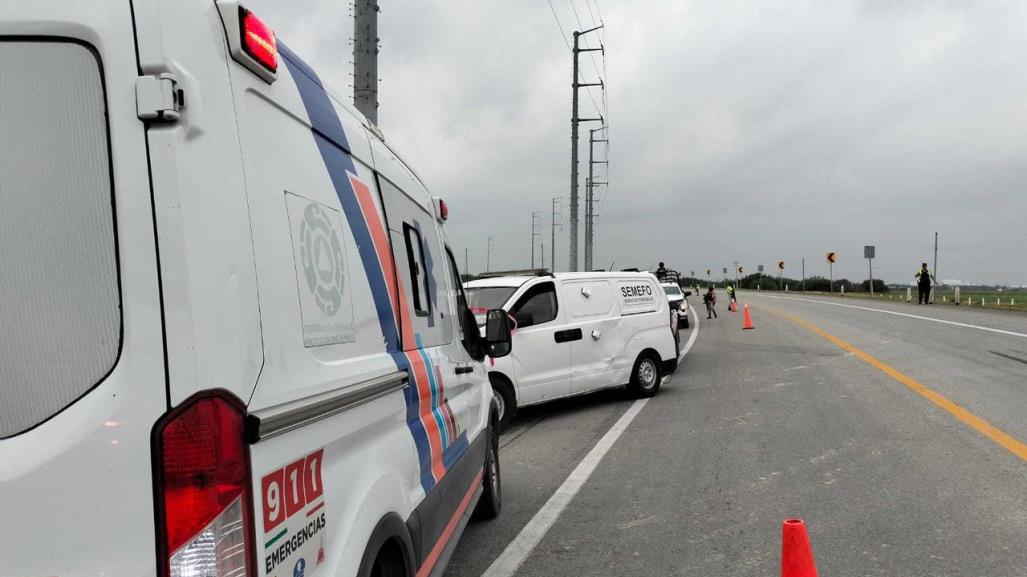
{"x": 558, "y": 25}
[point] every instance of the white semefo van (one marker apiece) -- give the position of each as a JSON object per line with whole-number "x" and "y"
{"x": 234, "y": 341}
{"x": 579, "y": 332}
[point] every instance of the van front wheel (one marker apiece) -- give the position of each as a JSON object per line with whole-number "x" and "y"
{"x": 645, "y": 376}
{"x": 505, "y": 399}
{"x": 491, "y": 500}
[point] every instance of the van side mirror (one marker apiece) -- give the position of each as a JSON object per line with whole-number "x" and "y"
{"x": 524, "y": 319}
{"x": 497, "y": 333}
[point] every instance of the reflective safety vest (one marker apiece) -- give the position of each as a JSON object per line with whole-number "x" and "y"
{"x": 924, "y": 279}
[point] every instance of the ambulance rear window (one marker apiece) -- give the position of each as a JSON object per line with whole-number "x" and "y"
{"x": 60, "y": 312}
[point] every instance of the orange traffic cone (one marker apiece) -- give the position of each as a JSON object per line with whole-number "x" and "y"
{"x": 796, "y": 552}
{"x": 747, "y": 321}
{"x": 731, "y": 306}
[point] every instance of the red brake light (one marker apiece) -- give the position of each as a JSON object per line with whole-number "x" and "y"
{"x": 203, "y": 494}
{"x": 443, "y": 210}
{"x": 258, "y": 40}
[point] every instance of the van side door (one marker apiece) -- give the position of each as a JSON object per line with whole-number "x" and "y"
{"x": 451, "y": 417}
{"x": 541, "y": 344}
{"x": 589, "y": 305}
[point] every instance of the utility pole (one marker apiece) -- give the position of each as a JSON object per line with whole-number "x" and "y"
{"x": 590, "y": 185}
{"x": 936, "y": 257}
{"x": 803, "y": 274}
{"x": 552, "y": 232}
{"x": 575, "y": 85}
{"x": 467, "y": 269}
{"x": 365, "y": 58}
{"x": 535, "y": 216}
{"x": 543, "y": 254}
{"x": 488, "y": 255}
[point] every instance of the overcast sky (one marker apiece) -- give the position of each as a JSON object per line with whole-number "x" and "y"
{"x": 758, "y": 131}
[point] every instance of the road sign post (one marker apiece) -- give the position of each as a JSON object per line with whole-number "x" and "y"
{"x": 831, "y": 257}
{"x": 868, "y": 253}
{"x": 780, "y": 275}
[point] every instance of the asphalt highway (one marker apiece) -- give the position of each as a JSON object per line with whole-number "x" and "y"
{"x": 897, "y": 432}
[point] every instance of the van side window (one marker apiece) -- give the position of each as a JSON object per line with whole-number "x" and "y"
{"x": 468, "y": 326}
{"x": 539, "y": 302}
{"x": 418, "y": 275}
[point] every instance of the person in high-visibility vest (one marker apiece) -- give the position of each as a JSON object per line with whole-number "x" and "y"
{"x": 731, "y": 293}
{"x": 924, "y": 280}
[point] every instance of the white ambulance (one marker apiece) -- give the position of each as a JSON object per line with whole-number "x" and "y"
{"x": 577, "y": 333}
{"x": 234, "y": 341}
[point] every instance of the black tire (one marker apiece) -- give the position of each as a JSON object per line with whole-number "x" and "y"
{"x": 491, "y": 501}
{"x": 506, "y": 400}
{"x": 646, "y": 376}
{"x": 686, "y": 321}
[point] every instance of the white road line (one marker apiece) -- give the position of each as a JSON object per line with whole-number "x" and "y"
{"x": 691, "y": 338}
{"x": 518, "y": 550}
{"x": 898, "y": 314}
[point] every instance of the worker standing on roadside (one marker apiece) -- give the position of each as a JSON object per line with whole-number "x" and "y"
{"x": 924, "y": 280}
{"x": 731, "y": 293}
{"x": 710, "y": 299}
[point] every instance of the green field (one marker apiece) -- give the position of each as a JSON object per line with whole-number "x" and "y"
{"x": 1015, "y": 300}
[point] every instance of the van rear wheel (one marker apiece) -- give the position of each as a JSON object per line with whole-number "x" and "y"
{"x": 646, "y": 376}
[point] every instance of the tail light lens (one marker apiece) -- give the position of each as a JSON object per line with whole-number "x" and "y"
{"x": 202, "y": 472}
{"x": 258, "y": 40}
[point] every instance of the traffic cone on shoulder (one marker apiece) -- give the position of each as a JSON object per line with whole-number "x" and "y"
{"x": 747, "y": 321}
{"x": 731, "y": 306}
{"x": 796, "y": 551}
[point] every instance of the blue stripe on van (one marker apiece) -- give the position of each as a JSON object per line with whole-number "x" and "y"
{"x": 331, "y": 142}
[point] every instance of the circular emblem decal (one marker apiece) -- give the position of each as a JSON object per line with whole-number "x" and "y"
{"x": 321, "y": 252}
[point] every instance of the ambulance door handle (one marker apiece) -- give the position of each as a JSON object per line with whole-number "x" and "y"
{"x": 464, "y": 370}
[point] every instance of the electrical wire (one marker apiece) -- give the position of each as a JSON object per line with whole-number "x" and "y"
{"x": 560, "y": 26}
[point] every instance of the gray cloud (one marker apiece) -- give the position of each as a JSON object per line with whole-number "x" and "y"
{"x": 752, "y": 130}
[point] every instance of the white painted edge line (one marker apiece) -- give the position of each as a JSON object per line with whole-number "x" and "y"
{"x": 518, "y": 550}
{"x": 692, "y": 337}
{"x": 898, "y": 314}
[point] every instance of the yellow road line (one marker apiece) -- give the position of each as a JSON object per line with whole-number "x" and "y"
{"x": 1007, "y": 441}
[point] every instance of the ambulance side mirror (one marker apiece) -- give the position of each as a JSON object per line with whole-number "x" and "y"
{"x": 497, "y": 333}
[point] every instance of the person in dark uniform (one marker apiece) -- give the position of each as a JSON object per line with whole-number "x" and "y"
{"x": 661, "y": 271}
{"x": 924, "y": 279}
{"x": 710, "y": 299}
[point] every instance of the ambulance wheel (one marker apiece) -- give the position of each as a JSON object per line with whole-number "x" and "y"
{"x": 491, "y": 500}
{"x": 505, "y": 399}
{"x": 645, "y": 375}
{"x": 684, "y": 322}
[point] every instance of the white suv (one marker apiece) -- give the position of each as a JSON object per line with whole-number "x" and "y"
{"x": 678, "y": 302}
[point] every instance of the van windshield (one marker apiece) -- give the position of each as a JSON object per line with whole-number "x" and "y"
{"x": 672, "y": 291}
{"x": 483, "y": 299}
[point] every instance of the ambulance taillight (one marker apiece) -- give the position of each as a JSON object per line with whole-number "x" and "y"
{"x": 258, "y": 40}
{"x": 251, "y": 42}
{"x": 203, "y": 494}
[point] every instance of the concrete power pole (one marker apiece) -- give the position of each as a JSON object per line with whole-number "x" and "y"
{"x": 535, "y": 217}
{"x": 365, "y": 58}
{"x": 590, "y": 185}
{"x": 575, "y": 85}
{"x": 552, "y": 233}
